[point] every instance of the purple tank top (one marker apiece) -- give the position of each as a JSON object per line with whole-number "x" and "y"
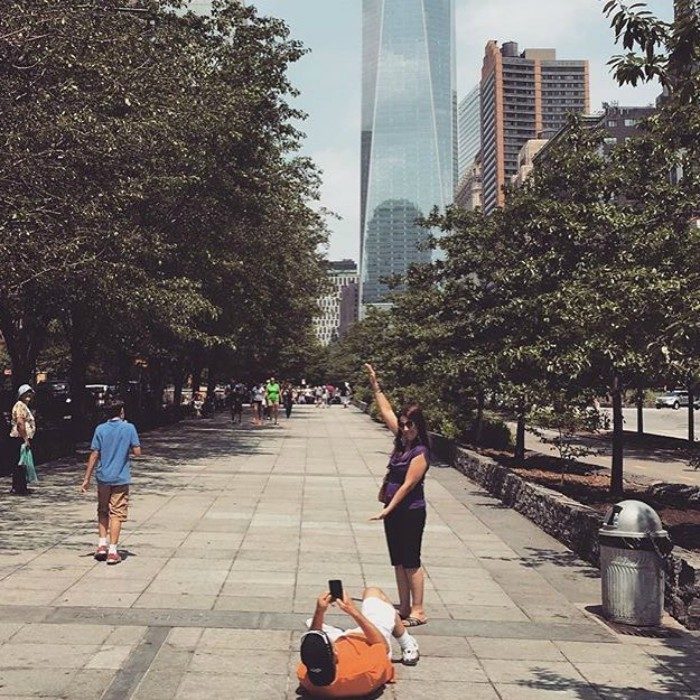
{"x": 398, "y": 468}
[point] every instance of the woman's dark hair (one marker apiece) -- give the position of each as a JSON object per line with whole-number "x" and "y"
{"x": 413, "y": 412}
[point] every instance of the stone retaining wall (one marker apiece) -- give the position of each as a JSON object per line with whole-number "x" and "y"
{"x": 573, "y": 524}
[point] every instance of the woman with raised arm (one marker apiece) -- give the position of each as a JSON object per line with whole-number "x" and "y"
{"x": 403, "y": 497}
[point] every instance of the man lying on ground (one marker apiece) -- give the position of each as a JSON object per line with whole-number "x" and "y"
{"x": 338, "y": 663}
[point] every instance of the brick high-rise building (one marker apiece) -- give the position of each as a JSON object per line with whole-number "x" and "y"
{"x": 522, "y": 95}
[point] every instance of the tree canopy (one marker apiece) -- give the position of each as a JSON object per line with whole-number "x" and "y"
{"x": 152, "y": 198}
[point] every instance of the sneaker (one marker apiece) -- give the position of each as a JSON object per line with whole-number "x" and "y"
{"x": 101, "y": 553}
{"x": 114, "y": 558}
{"x": 411, "y": 654}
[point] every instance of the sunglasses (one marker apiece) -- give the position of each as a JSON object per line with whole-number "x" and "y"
{"x": 403, "y": 424}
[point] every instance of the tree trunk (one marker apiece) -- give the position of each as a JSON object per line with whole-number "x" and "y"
{"x": 520, "y": 440}
{"x": 640, "y": 411}
{"x": 77, "y": 375}
{"x": 23, "y": 339}
{"x": 479, "y": 423}
{"x": 23, "y": 369}
{"x": 616, "y": 487}
{"x": 211, "y": 379}
{"x": 691, "y": 414}
{"x": 196, "y": 379}
{"x": 124, "y": 369}
{"x": 178, "y": 382}
{"x": 81, "y": 335}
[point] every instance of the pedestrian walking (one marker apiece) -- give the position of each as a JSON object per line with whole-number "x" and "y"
{"x": 345, "y": 394}
{"x": 272, "y": 394}
{"x": 197, "y": 404}
{"x": 318, "y": 393}
{"x": 288, "y": 399}
{"x": 22, "y": 433}
{"x": 113, "y": 442}
{"x": 238, "y": 393}
{"x": 403, "y": 496}
{"x": 258, "y": 395}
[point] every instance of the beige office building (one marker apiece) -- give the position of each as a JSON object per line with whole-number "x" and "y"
{"x": 470, "y": 189}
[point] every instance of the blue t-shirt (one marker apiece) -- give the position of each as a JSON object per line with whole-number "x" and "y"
{"x": 114, "y": 440}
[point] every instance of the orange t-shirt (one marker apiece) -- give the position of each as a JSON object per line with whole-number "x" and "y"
{"x": 361, "y": 669}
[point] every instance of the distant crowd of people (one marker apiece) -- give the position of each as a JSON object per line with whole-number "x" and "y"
{"x": 326, "y": 394}
{"x": 266, "y": 398}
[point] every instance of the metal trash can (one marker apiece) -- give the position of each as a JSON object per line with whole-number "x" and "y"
{"x": 632, "y": 546}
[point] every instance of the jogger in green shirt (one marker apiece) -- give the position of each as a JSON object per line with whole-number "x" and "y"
{"x": 273, "y": 391}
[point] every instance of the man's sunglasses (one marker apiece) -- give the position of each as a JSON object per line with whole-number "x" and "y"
{"x": 406, "y": 424}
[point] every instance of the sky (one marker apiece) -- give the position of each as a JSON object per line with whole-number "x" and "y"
{"x": 329, "y": 77}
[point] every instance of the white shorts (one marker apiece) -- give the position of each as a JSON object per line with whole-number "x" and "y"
{"x": 380, "y": 613}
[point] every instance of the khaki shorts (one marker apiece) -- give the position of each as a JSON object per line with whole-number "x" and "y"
{"x": 113, "y": 501}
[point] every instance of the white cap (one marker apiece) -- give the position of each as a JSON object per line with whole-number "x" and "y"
{"x": 23, "y": 390}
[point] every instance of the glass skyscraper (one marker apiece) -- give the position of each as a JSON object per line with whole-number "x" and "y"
{"x": 468, "y": 130}
{"x": 408, "y": 132}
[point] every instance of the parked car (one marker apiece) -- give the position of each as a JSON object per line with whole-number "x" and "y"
{"x": 675, "y": 399}
{"x": 100, "y": 393}
{"x": 53, "y": 402}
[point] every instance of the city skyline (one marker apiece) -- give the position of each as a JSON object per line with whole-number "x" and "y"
{"x": 330, "y": 76}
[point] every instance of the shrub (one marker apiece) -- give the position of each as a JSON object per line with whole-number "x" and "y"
{"x": 494, "y": 433}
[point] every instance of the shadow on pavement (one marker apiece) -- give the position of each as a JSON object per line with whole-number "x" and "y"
{"x": 303, "y": 695}
{"x": 534, "y": 558}
{"x": 675, "y": 667}
{"x": 30, "y": 522}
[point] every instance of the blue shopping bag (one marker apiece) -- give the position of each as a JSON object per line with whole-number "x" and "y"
{"x": 26, "y": 458}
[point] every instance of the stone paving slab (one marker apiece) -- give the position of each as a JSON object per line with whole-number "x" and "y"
{"x": 234, "y": 532}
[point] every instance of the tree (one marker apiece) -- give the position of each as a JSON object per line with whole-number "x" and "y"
{"x": 670, "y": 189}
{"x": 151, "y": 178}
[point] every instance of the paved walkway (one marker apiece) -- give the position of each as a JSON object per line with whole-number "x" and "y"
{"x": 235, "y": 532}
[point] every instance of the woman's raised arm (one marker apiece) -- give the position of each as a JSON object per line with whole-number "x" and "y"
{"x": 385, "y": 409}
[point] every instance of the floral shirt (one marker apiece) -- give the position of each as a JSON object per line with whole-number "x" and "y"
{"x": 21, "y": 410}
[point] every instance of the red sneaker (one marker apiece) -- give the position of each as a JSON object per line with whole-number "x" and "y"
{"x": 114, "y": 558}
{"x": 101, "y": 553}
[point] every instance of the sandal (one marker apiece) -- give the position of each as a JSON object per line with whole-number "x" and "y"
{"x": 413, "y": 622}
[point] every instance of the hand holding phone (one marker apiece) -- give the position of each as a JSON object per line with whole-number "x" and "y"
{"x": 335, "y": 586}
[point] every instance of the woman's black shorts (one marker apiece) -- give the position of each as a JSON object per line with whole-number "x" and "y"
{"x": 404, "y": 535}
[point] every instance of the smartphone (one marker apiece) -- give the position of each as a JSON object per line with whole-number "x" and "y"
{"x": 335, "y": 586}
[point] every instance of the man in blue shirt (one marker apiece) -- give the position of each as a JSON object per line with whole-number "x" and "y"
{"x": 112, "y": 445}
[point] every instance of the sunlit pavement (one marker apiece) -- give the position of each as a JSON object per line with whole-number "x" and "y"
{"x": 234, "y": 532}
